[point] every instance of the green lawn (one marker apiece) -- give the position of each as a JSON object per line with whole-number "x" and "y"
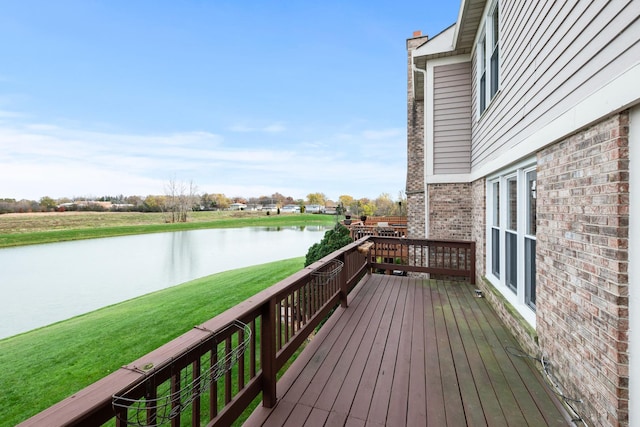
{"x": 42, "y": 367}
{"x": 28, "y": 229}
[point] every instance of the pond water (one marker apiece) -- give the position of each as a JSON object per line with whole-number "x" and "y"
{"x": 43, "y": 284}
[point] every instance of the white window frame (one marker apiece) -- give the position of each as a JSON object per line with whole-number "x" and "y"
{"x": 486, "y": 47}
{"x": 516, "y": 298}
{"x": 526, "y": 231}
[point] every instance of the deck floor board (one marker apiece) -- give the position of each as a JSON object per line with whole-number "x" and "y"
{"x": 411, "y": 351}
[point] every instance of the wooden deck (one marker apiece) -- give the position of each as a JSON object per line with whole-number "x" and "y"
{"x": 412, "y": 352}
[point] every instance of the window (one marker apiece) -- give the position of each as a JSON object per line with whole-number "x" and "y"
{"x": 511, "y": 236}
{"x": 488, "y": 57}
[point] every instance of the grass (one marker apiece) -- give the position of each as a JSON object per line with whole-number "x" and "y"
{"x": 29, "y": 229}
{"x": 44, "y": 366}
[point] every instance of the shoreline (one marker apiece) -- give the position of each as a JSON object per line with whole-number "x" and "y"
{"x": 51, "y": 227}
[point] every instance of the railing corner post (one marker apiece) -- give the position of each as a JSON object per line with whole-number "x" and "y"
{"x": 473, "y": 263}
{"x": 268, "y": 353}
{"x": 342, "y": 278}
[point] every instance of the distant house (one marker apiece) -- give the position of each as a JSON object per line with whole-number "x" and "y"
{"x": 290, "y": 209}
{"x": 524, "y": 119}
{"x": 314, "y": 209}
{"x": 330, "y": 208}
{"x": 237, "y": 206}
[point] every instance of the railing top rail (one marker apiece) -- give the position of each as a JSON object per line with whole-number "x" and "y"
{"x": 424, "y": 242}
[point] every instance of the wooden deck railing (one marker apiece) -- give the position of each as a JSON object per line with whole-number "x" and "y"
{"x": 212, "y": 373}
{"x": 439, "y": 257}
{"x": 360, "y": 231}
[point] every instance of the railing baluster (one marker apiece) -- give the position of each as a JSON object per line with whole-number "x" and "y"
{"x": 121, "y": 416}
{"x": 298, "y": 309}
{"x": 227, "y": 374}
{"x": 287, "y": 318}
{"x": 213, "y": 386}
{"x": 268, "y": 353}
{"x": 278, "y": 326}
{"x": 195, "y": 408}
{"x": 241, "y": 362}
{"x": 252, "y": 350}
{"x": 175, "y": 397}
{"x": 150, "y": 398}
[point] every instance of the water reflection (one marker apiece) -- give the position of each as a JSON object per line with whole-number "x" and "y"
{"x": 43, "y": 284}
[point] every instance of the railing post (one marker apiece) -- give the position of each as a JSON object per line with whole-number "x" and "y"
{"x": 342, "y": 280}
{"x": 472, "y": 279}
{"x": 268, "y": 353}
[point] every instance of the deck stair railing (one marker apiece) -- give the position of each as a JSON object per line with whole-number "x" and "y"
{"x": 212, "y": 373}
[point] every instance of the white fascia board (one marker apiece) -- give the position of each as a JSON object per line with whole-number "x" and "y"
{"x": 620, "y": 93}
{"x": 441, "y": 43}
{"x": 458, "y": 21}
{"x": 451, "y": 178}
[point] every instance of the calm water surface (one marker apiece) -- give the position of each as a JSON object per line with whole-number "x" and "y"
{"x": 43, "y": 284}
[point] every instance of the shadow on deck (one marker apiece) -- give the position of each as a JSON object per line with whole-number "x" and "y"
{"x": 409, "y": 351}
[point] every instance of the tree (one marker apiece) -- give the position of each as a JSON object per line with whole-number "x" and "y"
{"x": 220, "y": 201}
{"x": 136, "y": 201}
{"x": 384, "y": 206}
{"x": 348, "y": 203}
{"x": 47, "y": 204}
{"x": 316, "y": 198}
{"x": 333, "y": 240}
{"x": 364, "y": 206}
{"x": 278, "y": 199}
{"x": 401, "y": 204}
{"x": 180, "y": 199}
{"x": 153, "y": 203}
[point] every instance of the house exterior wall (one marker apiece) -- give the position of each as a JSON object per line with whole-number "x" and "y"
{"x": 582, "y": 306}
{"x": 552, "y": 56}
{"x": 568, "y": 79}
{"x": 452, "y": 118}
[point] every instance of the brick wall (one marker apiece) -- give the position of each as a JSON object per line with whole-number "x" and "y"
{"x": 478, "y": 225}
{"x": 415, "y": 152}
{"x": 450, "y": 211}
{"x": 582, "y": 283}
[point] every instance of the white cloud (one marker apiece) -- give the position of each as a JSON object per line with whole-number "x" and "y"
{"x": 383, "y": 134}
{"x": 4, "y": 114}
{"x": 40, "y": 159}
{"x": 274, "y": 128}
{"x": 270, "y": 128}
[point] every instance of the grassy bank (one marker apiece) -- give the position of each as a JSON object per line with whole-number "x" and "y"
{"x": 28, "y": 229}
{"x": 46, "y": 365}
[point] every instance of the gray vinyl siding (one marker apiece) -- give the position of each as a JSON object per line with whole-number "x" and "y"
{"x": 553, "y": 54}
{"x": 452, "y": 118}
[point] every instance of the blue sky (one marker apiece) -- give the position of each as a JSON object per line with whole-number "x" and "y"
{"x": 248, "y": 98}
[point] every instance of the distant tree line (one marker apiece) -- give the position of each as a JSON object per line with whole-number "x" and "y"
{"x": 181, "y": 198}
